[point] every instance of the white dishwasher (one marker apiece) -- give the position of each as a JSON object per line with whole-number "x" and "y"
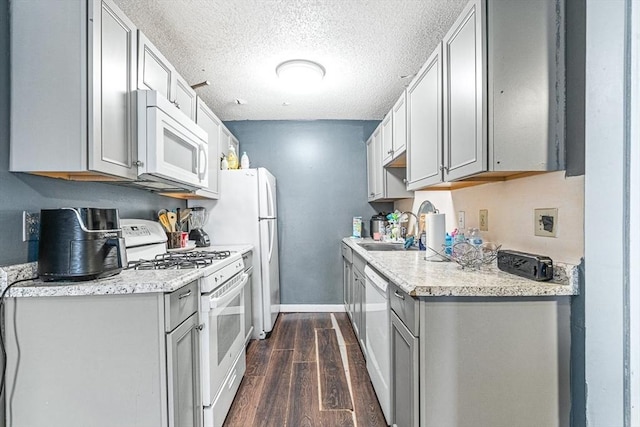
{"x": 378, "y": 327}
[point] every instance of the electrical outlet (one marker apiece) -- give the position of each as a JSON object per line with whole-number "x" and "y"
{"x": 461, "y": 221}
{"x": 545, "y": 222}
{"x": 484, "y": 220}
{"x": 30, "y": 226}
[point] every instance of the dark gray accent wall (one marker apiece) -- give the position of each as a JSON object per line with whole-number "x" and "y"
{"x": 320, "y": 167}
{"x": 20, "y": 191}
{"x": 575, "y": 57}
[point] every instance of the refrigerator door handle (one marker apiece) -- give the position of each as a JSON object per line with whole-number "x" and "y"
{"x": 271, "y": 237}
{"x": 270, "y": 207}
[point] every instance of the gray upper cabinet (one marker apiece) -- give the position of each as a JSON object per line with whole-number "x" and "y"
{"x": 73, "y": 70}
{"x": 377, "y": 162}
{"x": 384, "y": 183}
{"x": 387, "y": 138}
{"x": 371, "y": 170}
{"x": 465, "y": 138}
{"x": 207, "y": 120}
{"x": 185, "y": 98}
{"x": 424, "y": 99}
{"x": 399, "y": 113}
{"x": 500, "y": 77}
{"x": 155, "y": 72}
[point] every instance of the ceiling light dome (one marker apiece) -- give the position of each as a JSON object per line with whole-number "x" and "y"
{"x": 300, "y": 73}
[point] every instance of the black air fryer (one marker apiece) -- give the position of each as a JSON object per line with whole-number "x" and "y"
{"x": 80, "y": 244}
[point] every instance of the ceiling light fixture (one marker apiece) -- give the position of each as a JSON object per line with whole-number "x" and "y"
{"x": 300, "y": 73}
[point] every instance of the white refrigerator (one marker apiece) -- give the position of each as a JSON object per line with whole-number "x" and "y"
{"x": 246, "y": 213}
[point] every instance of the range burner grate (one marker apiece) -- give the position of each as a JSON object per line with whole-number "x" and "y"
{"x": 173, "y": 261}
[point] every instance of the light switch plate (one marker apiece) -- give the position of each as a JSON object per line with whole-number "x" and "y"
{"x": 484, "y": 220}
{"x": 30, "y": 226}
{"x": 545, "y": 222}
{"x": 461, "y": 221}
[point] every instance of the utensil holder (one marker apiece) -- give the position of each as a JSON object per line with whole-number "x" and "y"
{"x": 174, "y": 240}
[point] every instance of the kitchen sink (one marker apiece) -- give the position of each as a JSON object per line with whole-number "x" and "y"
{"x": 385, "y": 246}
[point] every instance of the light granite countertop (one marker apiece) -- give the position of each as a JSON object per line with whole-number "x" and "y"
{"x": 420, "y": 278}
{"x": 127, "y": 282}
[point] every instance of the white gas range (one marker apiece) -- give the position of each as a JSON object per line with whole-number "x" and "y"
{"x": 221, "y": 309}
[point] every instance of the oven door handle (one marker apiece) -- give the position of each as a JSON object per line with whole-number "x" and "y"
{"x": 215, "y": 302}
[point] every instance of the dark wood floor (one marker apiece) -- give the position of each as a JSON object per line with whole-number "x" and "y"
{"x": 298, "y": 377}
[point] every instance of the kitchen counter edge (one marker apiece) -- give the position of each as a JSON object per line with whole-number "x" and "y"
{"x": 127, "y": 282}
{"x": 420, "y": 278}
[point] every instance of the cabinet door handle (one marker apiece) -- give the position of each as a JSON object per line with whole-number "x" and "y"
{"x": 398, "y": 295}
{"x": 186, "y": 294}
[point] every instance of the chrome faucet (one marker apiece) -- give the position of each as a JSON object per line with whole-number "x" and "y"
{"x": 415, "y": 226}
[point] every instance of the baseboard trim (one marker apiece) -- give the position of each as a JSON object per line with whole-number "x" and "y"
{"x": 312, "y": 308}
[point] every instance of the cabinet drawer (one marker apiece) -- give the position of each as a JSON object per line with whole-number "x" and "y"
{"x": 405, "y": 307}
{"x": 180, "y": 304}
{"x": 347, "y": 252}
{"x": 359, "y": 263}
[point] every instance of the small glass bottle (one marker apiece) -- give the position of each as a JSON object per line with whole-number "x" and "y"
{"x": 474, "y": 237}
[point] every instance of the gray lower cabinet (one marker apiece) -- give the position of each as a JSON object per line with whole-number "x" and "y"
{"x": 73, "y": 69}
{"x": 495, "y": 362}
{"x": 405, "y": 403}
{"x": 104, "y": 361}
{"x": 359, "y": 301}
{"x": 184, "y": 374}
{"x": 404, "y": 365}
{"x": 347, "y": 279}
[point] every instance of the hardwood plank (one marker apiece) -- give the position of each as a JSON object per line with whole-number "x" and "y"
{"x": 340, "y": 418}
{"x": 304, "y": 406}
{"x": 243, "y": 410}
{"x": 334, "y": 389}
{"x": 322, "y": 320}
{"x": 273, "y": 406}
{"x": 346, "y": 329}
{"x": 286, "y": 332}
{"x": 367, "y": 409}
{"x": 258, "y": 355}
{"x": 305, "y": 345}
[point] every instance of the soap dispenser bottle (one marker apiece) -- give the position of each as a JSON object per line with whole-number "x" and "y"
{"x": 232, "y": 157}
{"x": 244, "y": 161}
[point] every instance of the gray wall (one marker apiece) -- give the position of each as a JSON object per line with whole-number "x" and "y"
{"x": 20, "y": 192}
{"x": 322, "y": 184}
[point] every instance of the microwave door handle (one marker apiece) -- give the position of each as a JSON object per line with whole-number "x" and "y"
{"x": 202, "y": 169}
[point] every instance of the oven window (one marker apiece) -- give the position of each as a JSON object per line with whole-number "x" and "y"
{"x": 229, "y": 326}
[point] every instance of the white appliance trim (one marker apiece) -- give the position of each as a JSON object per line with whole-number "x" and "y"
{"x": 312, "y": 308}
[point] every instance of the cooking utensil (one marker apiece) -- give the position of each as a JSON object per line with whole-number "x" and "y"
{"x": 184, "y": 215}
{"x": 178, "y": 222}
{"x": 171, "y": 216}
{"x": 164, "y": 221}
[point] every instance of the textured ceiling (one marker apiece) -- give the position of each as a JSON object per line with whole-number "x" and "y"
{"x": 365, "y": 46}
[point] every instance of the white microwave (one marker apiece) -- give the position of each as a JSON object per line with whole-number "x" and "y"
{"x": 172, "y": 149}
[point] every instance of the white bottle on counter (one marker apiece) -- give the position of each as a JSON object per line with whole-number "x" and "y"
{"x": 244, "y": 161}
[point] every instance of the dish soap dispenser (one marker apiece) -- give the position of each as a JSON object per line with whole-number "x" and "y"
{"x": 244, "y": 161}
{"x": 232, "y": 158}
